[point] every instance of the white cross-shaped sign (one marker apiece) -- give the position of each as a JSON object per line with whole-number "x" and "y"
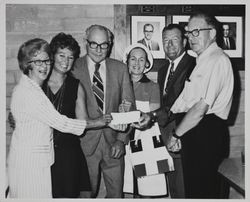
{"x": 149, "y": 154}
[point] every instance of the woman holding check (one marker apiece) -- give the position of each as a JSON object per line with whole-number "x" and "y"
{"x": 31, "y": 151}
{"x": 139, "y": 61}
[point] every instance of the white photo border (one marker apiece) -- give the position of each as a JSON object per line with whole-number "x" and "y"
{"x": 223, "y": 19}
{"x": 148, "y": 19}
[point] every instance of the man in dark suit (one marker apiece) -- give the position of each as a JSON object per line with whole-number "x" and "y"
{"x": 171, "y": 78}
{"x": 228, "y": 41}
{"x": 148, "y": 31}
{"x": 106, "y": 82}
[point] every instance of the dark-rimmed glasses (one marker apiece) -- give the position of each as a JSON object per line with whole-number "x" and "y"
{"x": 40, "y": 62}
{"x": 149, "y": 31}
{"x": 94, "y": 45}
{"x": 195, "y": 32}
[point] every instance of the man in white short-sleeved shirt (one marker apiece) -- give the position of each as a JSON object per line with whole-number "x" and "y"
{"x": 202, "y": 133}
{"x": 206, "y": 100}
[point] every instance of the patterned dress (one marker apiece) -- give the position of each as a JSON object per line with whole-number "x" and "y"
{"x": 146, "y": 92}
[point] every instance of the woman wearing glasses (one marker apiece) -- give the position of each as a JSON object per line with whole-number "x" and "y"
{"x": 31, "y": 151}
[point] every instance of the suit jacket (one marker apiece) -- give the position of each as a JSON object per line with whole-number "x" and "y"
{"x": 118, "y": 87}
{"x": 232, "y": 44}
{"x": 176, "y": 85}
{"x": 154, "y": 44}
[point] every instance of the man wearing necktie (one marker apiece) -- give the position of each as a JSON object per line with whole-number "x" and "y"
{"x": 171, "y": 78}
{"x": 148, "y": 31}
{"x": 205, "y": 102}
{"x": 107, "y": 83}
{"x": 228, "y": 41}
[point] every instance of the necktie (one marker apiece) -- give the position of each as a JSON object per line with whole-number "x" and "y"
{"x": 171, "y": 72}
{"x": 98, "y": 87}
{"x": 170, "y": 75}
{"x": 228, "y": 44}
{"x": 149, "y": 46}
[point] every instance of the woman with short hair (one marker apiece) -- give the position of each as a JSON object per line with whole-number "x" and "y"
{"x": 31, "y": 150}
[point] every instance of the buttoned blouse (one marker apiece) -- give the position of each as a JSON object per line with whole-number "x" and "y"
{"x": 212, "y": 79}
{"x": 35, "y": 116}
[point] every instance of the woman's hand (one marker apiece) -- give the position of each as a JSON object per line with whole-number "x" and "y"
{"x": 99, "y": 122}
{"x": 105, "y": 119}
{"x": 125, "y": 106}
{"x": 143, "y": 122}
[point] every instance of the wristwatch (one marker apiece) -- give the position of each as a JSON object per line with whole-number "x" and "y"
{"x": 175, "y": 135}
{"x": 153, "y": 117}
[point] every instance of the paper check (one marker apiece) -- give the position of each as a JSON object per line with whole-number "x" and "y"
{"x": 125, "y": 117}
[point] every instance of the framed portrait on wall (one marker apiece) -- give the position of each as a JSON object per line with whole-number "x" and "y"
{"x": 232, "y": 33}
{"x": 147, "y": 30}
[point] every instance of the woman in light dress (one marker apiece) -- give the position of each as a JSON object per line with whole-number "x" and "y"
{"x": 31, "y": 150}
{"x": 139, "y": 61}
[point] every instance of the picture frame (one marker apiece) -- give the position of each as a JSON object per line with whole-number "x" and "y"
{"x": 235, "y": 25}
{"x": 236, "y": 32}
{"x": 138, "y": 35}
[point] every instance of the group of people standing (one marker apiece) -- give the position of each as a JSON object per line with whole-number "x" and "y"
{"x": 64, "y": 137}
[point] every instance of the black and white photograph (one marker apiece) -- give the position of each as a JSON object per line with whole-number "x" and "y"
{"x": 147, "y": 31}
{"x": 124, "y": 100}
{"x": 232, "y": 35}
{"x": 231, "y": 32}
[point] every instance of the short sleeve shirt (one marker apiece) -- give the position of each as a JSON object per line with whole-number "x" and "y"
{"x": 212, "y": 80}
{"x": 147, "y": 91}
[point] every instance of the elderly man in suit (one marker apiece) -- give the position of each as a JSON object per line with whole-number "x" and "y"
{"x": 171, "y": 78}
{"x": 106, "y": 82}
{"x": 148, "y": 31}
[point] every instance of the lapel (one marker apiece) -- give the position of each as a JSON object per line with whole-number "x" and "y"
{"x": 85, "y": 74}
{"x": 108, "y": 90}
{"x": 179, "y": 69}
{"x": 162, "y": 75}
{"x": 144, "y": 42}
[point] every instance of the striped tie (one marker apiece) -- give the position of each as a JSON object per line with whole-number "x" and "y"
{"x": 171, "y": 72}
{"x": 98, "y": 87}
{"x": 170, "y": 76}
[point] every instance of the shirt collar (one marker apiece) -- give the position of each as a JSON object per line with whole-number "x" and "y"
{"x": 177, "y": 60}
{"x": 144, "y": 79}
{"x": 29, "y": 82}
{"x": 92, "y": 63}
{"x": 210, "y": 49}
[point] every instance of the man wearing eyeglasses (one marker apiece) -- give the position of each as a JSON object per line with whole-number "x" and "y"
{"x": 206, "y": 101}
{"x": 106, "y": 82}
{"x": 148, "y": 31}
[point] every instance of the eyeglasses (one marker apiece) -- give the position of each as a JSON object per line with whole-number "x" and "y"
{"x": 40, "y": 62}
{"x": 195, "y": 32}
{"x": 94, "y": 45}
{"x": 149, "y": 31}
